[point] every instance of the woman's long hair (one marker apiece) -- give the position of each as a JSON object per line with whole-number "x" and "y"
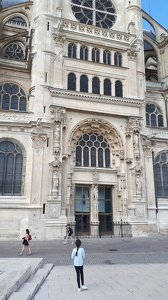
{"x": 27, "y": 231}
{"x": 78, "y": 244}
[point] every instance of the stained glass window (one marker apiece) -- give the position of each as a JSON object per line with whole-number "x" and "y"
{"x": 161, "y": 175}
{"x": 101, "y": 13}
{"x": 14, "y": 51}
{"x": 154, "y": 116}
{"x": 11, "y": 163}
{"x": 92, "y": 150}
{"x": 12, "y": 97}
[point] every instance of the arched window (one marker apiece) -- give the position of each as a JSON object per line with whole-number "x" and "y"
{"x": 72, "y": 50}
{"x": 118, "y": 89}
{"x": 118, "y": 59}
{"x": 95, "y": 85}
{"x": 11, "y": 163}
{"x": 106, "y": 57}
{"x": 12, "y": 97}
{"x": 154, "y": 116}
{"x": 107, "y": 87}
{"x": 161, "y": 175}
{"x": 84, "y": 84}
{"x": 95, "y": 55}
{"x": 92, "y": 150}
{"x": 84, "y": 52}
{"x": 14, "y": 51}
{"x": 71, "y": 82}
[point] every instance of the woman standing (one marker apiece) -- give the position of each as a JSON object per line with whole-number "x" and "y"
{"x": 78, "y": 255}
{"x": 25, "y": 243}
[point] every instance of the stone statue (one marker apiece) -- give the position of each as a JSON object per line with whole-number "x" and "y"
{"x": 138, "y": 186}
{"x": 56, "y": 138}
{"x": 95, "y": 193}
{"x": 55, "y": 182}
{"x": 136, "y": 141}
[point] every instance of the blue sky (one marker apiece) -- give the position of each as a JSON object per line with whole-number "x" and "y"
{"x": 158, "y": 10}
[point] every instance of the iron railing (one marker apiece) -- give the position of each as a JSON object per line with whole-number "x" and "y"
{"x": 114, "y": 229}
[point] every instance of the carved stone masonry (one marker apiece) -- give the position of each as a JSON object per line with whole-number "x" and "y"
{"x": 58, "y": 115}
{"x": 38, "y": 140}
{"x": 133, "y": 125}
{"x": 132, "y": 55}
{"x": 56, "y": 138}
{"x": 59, "y": 39}
{"x": 55, "y": 183}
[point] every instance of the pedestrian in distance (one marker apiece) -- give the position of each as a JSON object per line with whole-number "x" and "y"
{"x": 26, "y": 239}
{"x": 69, "y": 234}
{"x": 78, "y": 255}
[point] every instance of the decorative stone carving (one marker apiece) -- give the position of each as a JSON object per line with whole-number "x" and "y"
{"x": 54, "y": 211}
{"x": 95, "y": 204}
{"x": 132, "y": 55}
{"x": 138, "y": 186}
{"x": 59, "y": 39}
{"x": 138, "y": 168}
{"x": 56, "y": 138}
{"x": 95, "y": 193}
{"x": 58, "y": 115}
{"x": 98, "y": 126}
{"x": 38, "y": 140}
{"x": 14, "y": 116}
{"x": 55, "y": 186}
{"x": 136, "y": 145}
{"x": 39, "y": 125}
{"x": 95, "y": 177}
{"x": 131, "y": 124}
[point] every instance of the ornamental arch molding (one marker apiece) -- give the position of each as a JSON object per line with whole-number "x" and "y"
{"x": 14, "y": 15}
{"x": 101, "y": 127}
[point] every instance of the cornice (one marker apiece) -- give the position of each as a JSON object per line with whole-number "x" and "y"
{"x": 95, "y": 32}
{"x": 95, "y": 98}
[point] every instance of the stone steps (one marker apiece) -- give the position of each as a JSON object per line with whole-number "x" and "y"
{"x": 14, "y": 273}
{"x": 31, "y": 286}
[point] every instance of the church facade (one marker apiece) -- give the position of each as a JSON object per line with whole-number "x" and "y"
{"x": 83, "y": 119}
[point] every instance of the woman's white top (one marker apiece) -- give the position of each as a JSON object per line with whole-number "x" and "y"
{"x": 78, "y": 260}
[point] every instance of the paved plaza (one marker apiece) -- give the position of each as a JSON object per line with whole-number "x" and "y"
{"x": 116, "y": 268}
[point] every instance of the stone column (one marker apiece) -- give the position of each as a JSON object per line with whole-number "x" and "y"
{"x": 38, "y": 140}
{"x": 94, "y": 213}
{"x": 150, "y": 183}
